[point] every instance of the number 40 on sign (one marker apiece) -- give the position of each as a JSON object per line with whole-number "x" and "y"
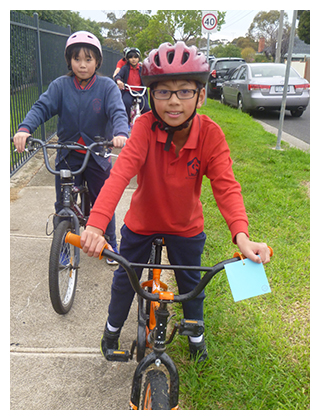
{"x": 209, "y": 21}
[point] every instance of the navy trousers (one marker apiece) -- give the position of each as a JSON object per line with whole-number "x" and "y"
{"x": 137, "y": 248}
{"x": 95, "y": 177}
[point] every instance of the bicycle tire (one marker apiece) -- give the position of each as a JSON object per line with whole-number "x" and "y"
{"x": 155, "y": 394}
{"x": 62, "y": 275}
{"x": 85, "y": 203}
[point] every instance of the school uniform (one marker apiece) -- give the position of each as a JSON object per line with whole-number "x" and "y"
{"x": 132, "y": 77}
{"x": 167, "y": 203}
{"x": 96, "y": 110}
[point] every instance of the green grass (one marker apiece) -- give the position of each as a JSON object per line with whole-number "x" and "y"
{"x": 259, "y": 348}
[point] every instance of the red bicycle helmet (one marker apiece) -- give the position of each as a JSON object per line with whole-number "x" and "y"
{"x": 175, "y": 62}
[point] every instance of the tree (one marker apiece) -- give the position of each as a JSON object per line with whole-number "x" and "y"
{"x": 304, "y": 25}
{"x": 245, "y": 42}
{"x": 266, "y": 25}
{"x": 65, "y": 18}
{"x": 248, "y": 54}
{"x": 146, "y": 31}
{"x": 116, "y": 31}
{"x": 228, "y": 50}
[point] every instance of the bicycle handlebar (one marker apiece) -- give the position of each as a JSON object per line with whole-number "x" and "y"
{"x": 99, "y": 141}
{"x": 134, "y": 92}
{"x": 162, "y": 296}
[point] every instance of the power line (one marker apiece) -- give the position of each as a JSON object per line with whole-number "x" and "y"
{"x": 240, "y": 18}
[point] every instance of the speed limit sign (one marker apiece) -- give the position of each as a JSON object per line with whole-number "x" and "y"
{"x": 209, "y": 22}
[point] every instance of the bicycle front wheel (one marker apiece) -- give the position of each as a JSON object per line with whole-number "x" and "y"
{"x": 155, "y": 394}
{"x": 62, "y": 272}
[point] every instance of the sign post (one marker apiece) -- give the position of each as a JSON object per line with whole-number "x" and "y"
{"x": 209, "y": 23}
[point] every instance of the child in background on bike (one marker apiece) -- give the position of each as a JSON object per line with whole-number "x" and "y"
{"x": 122, "y": 62}
{"x": 171, "y": 149}
{"x": 88, "y": 105}
{"x": 130, "y": 74}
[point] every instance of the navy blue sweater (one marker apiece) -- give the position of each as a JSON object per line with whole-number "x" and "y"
{"x": 97, "y": 110}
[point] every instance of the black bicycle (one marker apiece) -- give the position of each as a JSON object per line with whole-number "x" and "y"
{"x": 160, "y": 390}
{"x": 64, "y": 258}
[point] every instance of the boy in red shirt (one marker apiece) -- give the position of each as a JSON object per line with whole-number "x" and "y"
{"x": 170, "y": 150}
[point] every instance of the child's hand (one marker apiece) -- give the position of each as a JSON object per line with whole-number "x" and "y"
{"x": 92, "y": 241}
{"x": 256, "y": 252}
{"x": 119, "y": 141}
{"x": 19, "y": 141}
{"x": 120, "y": 84}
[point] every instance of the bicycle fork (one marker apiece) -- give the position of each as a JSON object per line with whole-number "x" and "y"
{"x": 158, "y": 322}
{"x": 158, "y": 357}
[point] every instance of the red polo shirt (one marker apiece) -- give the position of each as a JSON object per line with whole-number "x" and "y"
{"x": 167, "y": 199}
{"x": 134, "y": 78}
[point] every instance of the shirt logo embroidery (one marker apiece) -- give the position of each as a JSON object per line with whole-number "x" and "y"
{"x": 96, "y": 105}
{"x": 193, "y": 167}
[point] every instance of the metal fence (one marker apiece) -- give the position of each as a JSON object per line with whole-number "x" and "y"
{"x": 36, "y": 59}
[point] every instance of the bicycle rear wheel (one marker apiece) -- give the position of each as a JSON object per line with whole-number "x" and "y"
{"x": 62, "y": 272}
{"x": 155, "y": 394}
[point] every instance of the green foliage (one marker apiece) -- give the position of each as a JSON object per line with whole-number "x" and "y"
{"x": 147, "y": 32}
{"x": 228, "y": 50}
{"x": 248, "y": 54}
{"x": 65, "y": 18}
{"x": 304, "y": 26}
{"x": 258, "y": 348}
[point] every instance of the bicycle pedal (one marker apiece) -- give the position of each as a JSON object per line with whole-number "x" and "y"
{"x": 118, "y": 355}
{"x": 191, "y": 327}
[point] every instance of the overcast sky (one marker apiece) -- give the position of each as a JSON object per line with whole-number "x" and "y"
{"x": 237, "y": 21}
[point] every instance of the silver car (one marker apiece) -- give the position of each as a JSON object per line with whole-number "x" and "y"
{"x": 259, "y": 87}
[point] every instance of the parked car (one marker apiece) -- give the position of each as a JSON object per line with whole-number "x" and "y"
{"x": 259, "y": 86}
{"x": 220, "y": 69}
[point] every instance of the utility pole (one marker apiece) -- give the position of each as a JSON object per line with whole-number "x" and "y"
{"x": 278, "y": 51}
{"x": 286, "y": 80}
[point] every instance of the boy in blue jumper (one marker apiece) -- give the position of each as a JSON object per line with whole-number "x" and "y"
{"x": 87, "y": 105}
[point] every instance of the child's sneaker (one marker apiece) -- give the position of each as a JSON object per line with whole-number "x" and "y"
{"x": 198, "y": 351}
{"x": 109, "y": 341}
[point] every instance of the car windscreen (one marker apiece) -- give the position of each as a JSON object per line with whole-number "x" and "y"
{"x": 228, "y": 64}
{"x": 271, "y": 71}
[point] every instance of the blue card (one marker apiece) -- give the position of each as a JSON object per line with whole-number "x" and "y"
{"x": 247, "y": 279}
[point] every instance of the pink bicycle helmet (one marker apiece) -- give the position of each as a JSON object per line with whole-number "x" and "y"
{"x": 175, "y": 62}
{"x": 83, "y": 37}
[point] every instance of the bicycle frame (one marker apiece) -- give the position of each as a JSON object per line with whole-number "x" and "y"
{"x": 138, "y": 96}
{"x": 162, "y": 298}
{"x": 67, "y": 178}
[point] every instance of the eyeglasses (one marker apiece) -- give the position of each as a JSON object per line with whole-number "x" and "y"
{"x": 164, "y": 94}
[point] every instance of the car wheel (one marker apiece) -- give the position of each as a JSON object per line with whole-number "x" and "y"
{"x": 241, "y": 105}
{"x": 296, "y": 112}
{"x": 222, "y": 99}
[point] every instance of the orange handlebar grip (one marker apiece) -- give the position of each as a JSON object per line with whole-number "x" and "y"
{"x": 73, "y": 239}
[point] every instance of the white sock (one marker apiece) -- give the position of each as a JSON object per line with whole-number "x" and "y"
{"x": 196, "y": 339}
{"x": 111, "y": 328}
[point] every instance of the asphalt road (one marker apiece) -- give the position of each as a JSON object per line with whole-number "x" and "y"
{"x": 297, "y": 127}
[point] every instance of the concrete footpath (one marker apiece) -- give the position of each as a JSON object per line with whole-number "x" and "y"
{"x": 56, "y": 362}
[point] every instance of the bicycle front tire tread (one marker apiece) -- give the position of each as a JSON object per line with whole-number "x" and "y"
{"x": 155, "y": 394}
{"x": 57, "y": 246}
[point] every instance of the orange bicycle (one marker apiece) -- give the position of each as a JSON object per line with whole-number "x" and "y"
{"x": 159, "y": 392}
